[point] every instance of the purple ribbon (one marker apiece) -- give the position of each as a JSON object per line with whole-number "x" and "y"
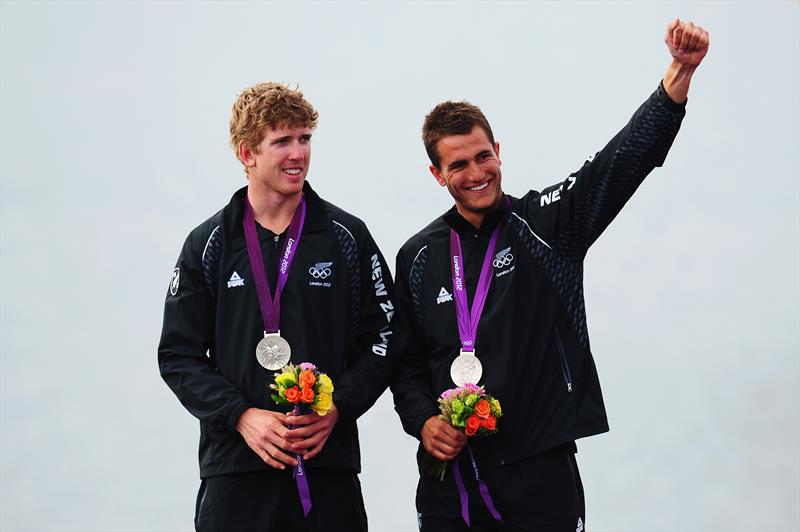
{"x": 299, "y": 474}
{"x": 482, "y": 488}
{"x": 462, "y": 491}
{"x": 468, "y": 319}
{"x": 271, "y": 307}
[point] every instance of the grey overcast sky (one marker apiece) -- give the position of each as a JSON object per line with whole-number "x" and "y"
{"x": 114, "y": 145}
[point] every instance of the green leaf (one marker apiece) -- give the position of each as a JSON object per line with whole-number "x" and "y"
{"x": 279, "y": 400}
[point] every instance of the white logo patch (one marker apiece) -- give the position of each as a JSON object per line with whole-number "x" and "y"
{"x": 579, "y": 528}
{"x": 503, "y": 259}
{"x": 235, "y": 280}
{"x": 175, "y": 282}
{"x": 320, "y": 271}
{"x": 444, "y": 296}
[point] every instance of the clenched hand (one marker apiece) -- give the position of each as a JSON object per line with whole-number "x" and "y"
{"x": 442, "y": 441}
{"x": 266, "y": 433}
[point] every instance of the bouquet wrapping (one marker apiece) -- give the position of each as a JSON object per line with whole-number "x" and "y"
{"x": 308, "y": 390}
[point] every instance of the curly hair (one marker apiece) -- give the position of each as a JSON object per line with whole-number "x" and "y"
{"x": 451, "y": 118}
{"x": 268, "y": 104}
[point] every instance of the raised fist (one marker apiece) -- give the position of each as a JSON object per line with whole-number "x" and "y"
{"x": 687, "y": 43}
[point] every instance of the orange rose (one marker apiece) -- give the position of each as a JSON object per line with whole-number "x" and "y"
{"x": 307, "y": 379}
{"x": 307, "y": 395}
{"x": 473, "y": 423}
{"x": 489, "y": 423}
{"x": 483, "y": 409}
{"x": 293, "y": 394}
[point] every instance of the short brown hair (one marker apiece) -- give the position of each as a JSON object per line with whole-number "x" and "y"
{"x": 451, "y": 118}
{"x": 268, "y": 104}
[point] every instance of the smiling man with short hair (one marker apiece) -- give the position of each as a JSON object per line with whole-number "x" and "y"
{"x": 491, "y": 293}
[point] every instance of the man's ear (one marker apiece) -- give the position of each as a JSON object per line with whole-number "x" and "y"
{"x": 437, "y": 174}
{"x": 246, "y": 155}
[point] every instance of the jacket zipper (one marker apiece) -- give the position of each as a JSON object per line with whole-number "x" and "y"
{"x": 564, "y": 366}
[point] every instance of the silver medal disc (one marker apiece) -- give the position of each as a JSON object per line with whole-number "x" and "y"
{"x": 466, "y": 368}
{"x": 273, "y": 352}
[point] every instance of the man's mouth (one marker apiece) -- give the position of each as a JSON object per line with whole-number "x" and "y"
{"x": 293, "y": 171}
{"x": 478, "y": 188}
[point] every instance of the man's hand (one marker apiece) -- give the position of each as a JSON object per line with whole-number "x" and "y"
{"x": 265, "y": 432}
{"x": 311, "y": 431}
{"x": 442, "y": 441}
{"x": 687, "y": 43}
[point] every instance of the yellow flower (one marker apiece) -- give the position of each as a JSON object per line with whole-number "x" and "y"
{"x": 325, "y": 384}
{"x": 496, "y": 408}
{"x": 324, "y": 403}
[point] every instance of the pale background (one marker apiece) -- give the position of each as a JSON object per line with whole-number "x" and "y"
{"x": 114, "y": 146}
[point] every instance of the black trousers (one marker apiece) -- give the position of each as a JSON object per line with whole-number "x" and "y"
{"x": 543, "y": 493}
{"x": 267, "y": 501}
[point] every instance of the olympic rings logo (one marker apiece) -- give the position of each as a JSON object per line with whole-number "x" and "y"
{"x": 503, "y": 261}
{"x": 319, "y": 273}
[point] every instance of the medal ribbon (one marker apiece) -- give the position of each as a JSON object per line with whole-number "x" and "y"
{"x": 468, "y": 319}
{"x": 299, "y": 474}
{"x": 271, "y": 307}
{"x": 482, "y": 488}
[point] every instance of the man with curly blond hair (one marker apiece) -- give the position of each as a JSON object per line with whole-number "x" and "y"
{"x": 279, "y": 275}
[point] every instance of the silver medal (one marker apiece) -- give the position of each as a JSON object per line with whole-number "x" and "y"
{"x": 466, "y": 368}
{"x": 273, "y": 352}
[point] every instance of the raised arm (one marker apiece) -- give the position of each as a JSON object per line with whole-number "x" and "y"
{"x": 572, "y": 214}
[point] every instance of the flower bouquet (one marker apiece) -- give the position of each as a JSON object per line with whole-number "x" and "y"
{"x": 471, "y": 410}
{"x": 309, "y": 390}
{"x": 304, "y": 387}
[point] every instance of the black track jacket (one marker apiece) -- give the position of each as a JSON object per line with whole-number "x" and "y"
{"x": 335, "y": 312}
{"x": 532, "y": 338}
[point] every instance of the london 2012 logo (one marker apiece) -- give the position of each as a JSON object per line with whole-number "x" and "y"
{"x": 319, "y": 273}
{"x": 503, "y": 258}
{"x": 321, "y": 270}
{"x": 502, "y": 261}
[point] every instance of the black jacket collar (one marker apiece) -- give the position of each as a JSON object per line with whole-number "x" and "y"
{"x": 316, "y": 215}
{"x": 490, "y": 220}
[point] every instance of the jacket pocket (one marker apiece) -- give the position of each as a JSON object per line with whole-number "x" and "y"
{"x": 562, "y": 354}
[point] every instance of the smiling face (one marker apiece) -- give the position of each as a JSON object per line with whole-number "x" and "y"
{"x": 279, "y": 163}
{"x": 469, "y": 166}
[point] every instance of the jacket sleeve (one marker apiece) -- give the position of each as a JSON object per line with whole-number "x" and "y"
{"x": 368, "y": 369}
{"x": 186, "y": 337}
{"x": 571, "y": 215}
{"x": 412, "y": 381}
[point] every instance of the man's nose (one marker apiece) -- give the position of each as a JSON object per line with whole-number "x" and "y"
{"x": 297, "y": 153}
{"x": 474, "y": 171}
